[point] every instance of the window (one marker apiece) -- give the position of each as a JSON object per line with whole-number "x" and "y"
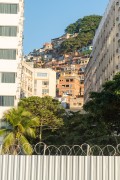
{"x": 67, "y": 80}
{"x": 71, "y": 80}
{"x": 8, "y": 30}
{"x": 117, "y": 3}
{"x": 8, "y": 54}
{"x": 81, "y": 82}
{"x": 29, "y": 89}
{"x": 45, "y": 91}
{"x": 117, "y": 35}
{"x": 42, "y": 74}
{"x": 8, "y": 8}
{"x": 45, "y": 83}
{"x": 6, "y": 100}
{"x": 67, "y": 85}
{"x": 7, "y": 77}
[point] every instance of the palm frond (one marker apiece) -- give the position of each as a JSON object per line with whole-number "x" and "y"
{"x": 25, "y": 145}
{"x": 9, "y": 140}
{"x": 12, "y": 116}
{"x": 30, "y": 132}
{"x": 2, "y": 132}
{"x": 21, "y": 128}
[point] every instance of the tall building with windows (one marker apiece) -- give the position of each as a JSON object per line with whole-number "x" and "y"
{"x": 105, "y": 57}
{"x": 11, "y": 36}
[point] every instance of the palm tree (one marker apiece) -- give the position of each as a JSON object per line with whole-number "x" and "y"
{"x": 19, "y": 126}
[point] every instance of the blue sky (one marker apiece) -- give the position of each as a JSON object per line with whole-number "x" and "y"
{"x": 47, "y": 19}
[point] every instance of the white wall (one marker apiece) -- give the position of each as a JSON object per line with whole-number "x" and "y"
{"x": 51, "y": 77}
{"x": 39, "y": 88}
{"x": 52, "y": 84}
{"x": 59, "y": 167}
{"x": 9, "y": 19}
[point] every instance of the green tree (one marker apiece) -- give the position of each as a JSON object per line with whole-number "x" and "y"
{"x": 70, "y": 45}
{"x": 104, "y": 106}
{"x": 73, "y": 28}
{"x": 86, "y": 28}
{"x": 90, "y": 23}
{"x": 100, "y": 124}
{"x": 19, "y": 126}
{"x": 82, "y": 128}
{"x": 48, "y": 110}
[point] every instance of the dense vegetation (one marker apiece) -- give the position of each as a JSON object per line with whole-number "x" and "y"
{"x": 43, "y": 119}
{"x": 100, "y": 124}
{"x": 85, "y": 28}
{"x": 28, "y": 123}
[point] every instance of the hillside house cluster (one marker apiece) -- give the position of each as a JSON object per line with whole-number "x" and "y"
{"x": 69, "y": 69}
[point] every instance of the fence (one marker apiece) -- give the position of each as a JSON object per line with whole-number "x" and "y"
{"x": 76, "y": 150}
{"x": 78, "y": 162}
{"x": 39, "y": 167}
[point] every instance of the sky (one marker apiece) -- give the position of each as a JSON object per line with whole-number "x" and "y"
{"x": 47, "y": 19}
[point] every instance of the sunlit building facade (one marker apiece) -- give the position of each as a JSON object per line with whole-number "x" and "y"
{"x": 37, "y": 81}
{"x": 11, "y": 37}
{"x": 105, "y": 57}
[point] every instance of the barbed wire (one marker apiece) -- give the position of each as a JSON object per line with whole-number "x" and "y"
{"x": 75, "y": 150}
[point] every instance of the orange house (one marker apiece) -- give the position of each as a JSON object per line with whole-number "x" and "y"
{"x": 70, "y": 84}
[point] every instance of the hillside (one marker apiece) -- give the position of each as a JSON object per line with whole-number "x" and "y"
{"x": 86, "y": 28}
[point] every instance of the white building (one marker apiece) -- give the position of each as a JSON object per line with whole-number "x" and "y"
{"x": 11, "y": 35}
{"x": 37, "y": 81}
{"x": 87, "y": 48}
{"x": 105, "y": 57}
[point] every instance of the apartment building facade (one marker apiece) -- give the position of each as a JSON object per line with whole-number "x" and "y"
{"x": 104, "y": 62}
{"x": 71, "y": 89}
{"x": 69, "y": 83}
{"x": 37, "y": 81}
{"x": 11, "y": 37}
